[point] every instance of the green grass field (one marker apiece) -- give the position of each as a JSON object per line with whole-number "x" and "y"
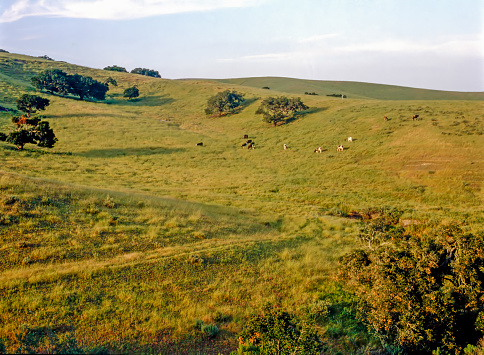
{"x": 126, "y": 232}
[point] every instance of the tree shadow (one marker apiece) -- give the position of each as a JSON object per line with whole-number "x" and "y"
{"x": 300, "y": 115}
{"x": 121, "y": 152}
{"x": 157, "y": 100}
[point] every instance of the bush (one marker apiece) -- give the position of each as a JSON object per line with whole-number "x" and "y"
{"x": 210, "y": 330}
{"x": 277, "y": 332}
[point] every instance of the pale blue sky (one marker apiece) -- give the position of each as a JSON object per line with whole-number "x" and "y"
{"x": 435, "y": 44}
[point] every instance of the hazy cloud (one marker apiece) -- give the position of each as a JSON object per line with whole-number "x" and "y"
{"x": 112, "y": 9}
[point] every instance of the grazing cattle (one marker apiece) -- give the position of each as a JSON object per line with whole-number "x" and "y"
{"x": 246, "y": 136}
{"x": 414, "y": 117}
{"x": 251, "y": 146}
{"x": 340, "y": 148}
{"x": 319, "y": 150}
{"x": 350, "y": 139}
{"x": 285, "y": 146}
{"x": 385, "y": 118}
{"x": 249, "y": 141}
{"x": 200, "y": 144}
{"x": 244, "y": 145}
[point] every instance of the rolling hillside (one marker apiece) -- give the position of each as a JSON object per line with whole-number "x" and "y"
{"x": 126, "y": 233}
{"x": 354, "y": 90}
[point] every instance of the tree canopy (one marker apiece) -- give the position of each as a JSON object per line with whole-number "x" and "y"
{"x": 421, "y": 291}
{"x": 30, "y": 130}
{"x": 55, "y": 81}
{"x": 224, "y": 102}
{"x": 146, "y": 72}
{"x": 31, "y": 103}
{"x": 116, "y": 68}
{"x": 276, "y": 110}
{"x": 131, "y": 92}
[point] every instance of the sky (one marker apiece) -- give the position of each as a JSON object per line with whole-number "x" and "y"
{"x": 432, "y": 44}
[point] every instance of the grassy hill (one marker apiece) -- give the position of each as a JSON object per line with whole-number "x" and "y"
{"x": 126, "y": 232}
{"x": 354, "y": 90}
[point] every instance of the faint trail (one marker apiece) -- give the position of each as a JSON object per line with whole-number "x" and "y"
{"x": 42, "y": 272}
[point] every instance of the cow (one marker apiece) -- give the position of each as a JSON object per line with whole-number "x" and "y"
{"x": 249, "y": 141}
{"x": 350, "y": 139}
{"x": 414, "y": 117}
{"x": 385, "y": 118}
{"x": 246, "y": 136}
{"x": 319, "y": 150}
{"x": 340, "y": 148}
{"x": 200, "y": 144}
{"x": 285, "y": 146}
{"x": 251, "y": 146}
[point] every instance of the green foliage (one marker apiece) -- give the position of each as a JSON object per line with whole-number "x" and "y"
{"x": 276, "y": 110}
{"x": 146, "y": 72}
{"x": 55, "y": 81}
{"x": 116, "y": 68}
{"x": 31, "y": 103}
{"x": 422, "y": 291}
{"x": 131, "y": 92}
{"x": 211, "y": 330}
{"x": 224, "y": 102}
{"x": 33, "y": 131}
{"x": 277, "y": 332}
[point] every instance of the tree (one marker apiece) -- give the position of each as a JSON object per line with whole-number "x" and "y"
{"x": 31, "y": 103}
{"x": 131, "y": 92}
{"x": 111, "y": 81}
{"x": 146, "y": 72}
{"x": 224, "y": 102}
{"x": 278, "y": 109}
{"x": 419, "y": 292}
{"x": 55, "y": 81}
{"x": 116, "y": 68}
{"x": 33, "y": 131}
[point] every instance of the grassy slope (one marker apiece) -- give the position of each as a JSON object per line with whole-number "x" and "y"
{"x": 351, "y": 89}
{"x": 116, "y": 264}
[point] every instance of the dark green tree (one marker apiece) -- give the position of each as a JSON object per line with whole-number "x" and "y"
{"x": 116, "y": 68}
{"x": 111, "y": 81}
{"x": 131, "y": 92}
{"x": 31, "y": 131}
{"x": 419, "y": 292}
{"x": 146, "y": 72}
{"x": 276, "y": 110}
{"x": 276, "y": 332}
{"x": 57, "y": 82}
{"x": 54, "y": 81}
{"x": 224, "y": 102}
{"x": 31, "y": 103}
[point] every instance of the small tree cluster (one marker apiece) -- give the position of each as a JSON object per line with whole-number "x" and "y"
{"x": 224, "y": 102}
{"x": 276, "y": 110}
{"x": 55, "y": 81}
{"x": 419, "y": 292}
{"x": 146, "y": 72}
{"x": 116, "y": 68}
{"x": 30, "y": 130}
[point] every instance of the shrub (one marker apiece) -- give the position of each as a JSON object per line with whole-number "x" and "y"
{"x": 210, "y": 330}
{"x": 277, "y": 332}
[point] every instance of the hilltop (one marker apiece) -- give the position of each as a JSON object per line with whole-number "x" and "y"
{"x": 352, "y": 89}
{"x": 126, "y": 232}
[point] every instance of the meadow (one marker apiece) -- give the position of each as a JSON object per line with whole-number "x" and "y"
{"x": 126, "y": 233}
